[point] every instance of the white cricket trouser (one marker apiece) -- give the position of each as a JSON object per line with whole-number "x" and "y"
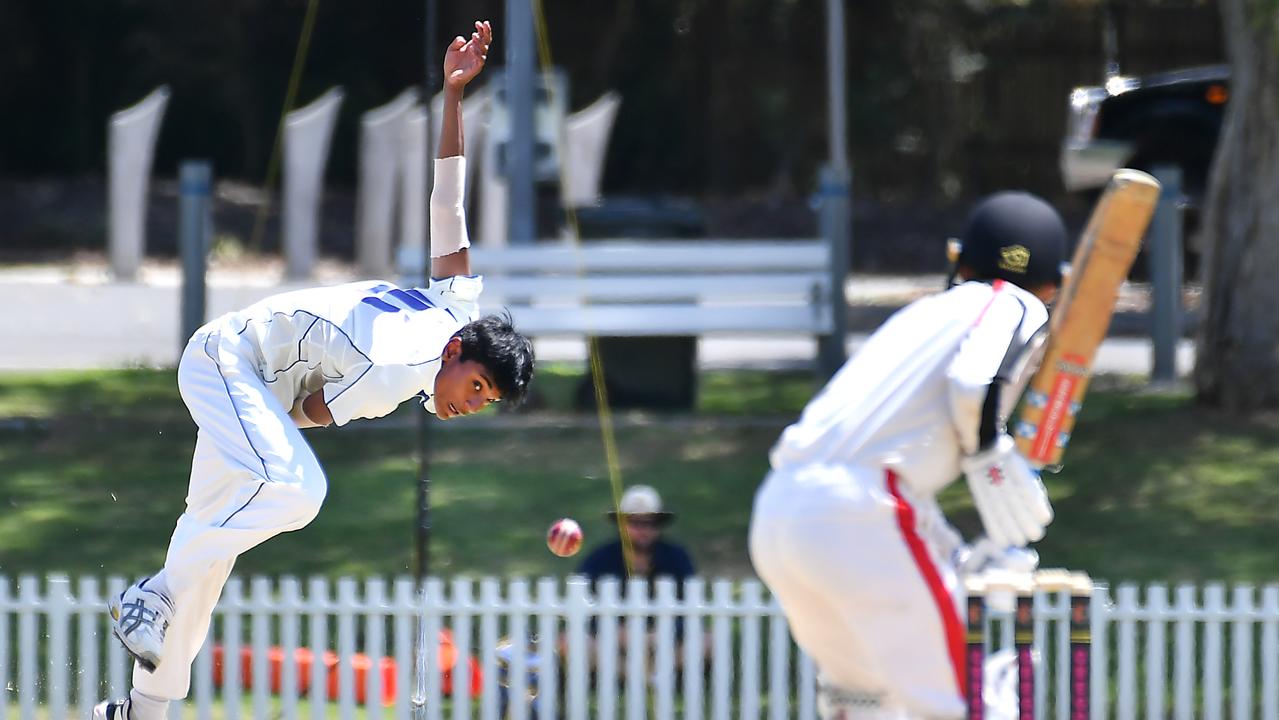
{"x": 253, "y": 476}
{"x": 868, "y": 593}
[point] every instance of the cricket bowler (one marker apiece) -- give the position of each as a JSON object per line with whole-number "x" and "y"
{"x": 846, "y": 530}
{"x": 325, "y": 356}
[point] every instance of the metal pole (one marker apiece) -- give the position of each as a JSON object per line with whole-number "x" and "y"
{"x": 194, "y": 179}
{"x": 834, "y": 192}
{"x": 832, "y": 350}
{"x": 521, "y": 226}
{"x": 1109, "y": 40}
{"x": 1163, "y": 250}
{"x": 837, "y": 84}
{"x": 422, "y": 540}
{"x": 422, "y": 535}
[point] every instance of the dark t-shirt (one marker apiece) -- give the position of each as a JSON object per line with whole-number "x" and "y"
{"x": 669, "y": 560}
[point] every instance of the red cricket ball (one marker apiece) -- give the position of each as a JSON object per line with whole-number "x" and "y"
{"x": 564, "y": 538}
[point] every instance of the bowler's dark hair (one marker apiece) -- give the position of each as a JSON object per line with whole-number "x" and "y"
{"x": 493, "y": 342}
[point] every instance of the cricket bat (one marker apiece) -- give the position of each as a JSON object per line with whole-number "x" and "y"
{"x": 1082, "y": 315}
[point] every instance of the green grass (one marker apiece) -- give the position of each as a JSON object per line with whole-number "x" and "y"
{"x": 93, "y": 472}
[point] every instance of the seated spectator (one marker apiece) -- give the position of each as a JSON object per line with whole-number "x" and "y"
{"x": 643, "y": 520}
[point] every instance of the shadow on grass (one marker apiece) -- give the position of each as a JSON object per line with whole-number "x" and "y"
{"x": 1154, "y": 487}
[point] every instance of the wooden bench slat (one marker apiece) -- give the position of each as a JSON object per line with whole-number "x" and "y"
{"x": 778, "y": 286}
{"x": 661, "y": 287}
{"x": 656, "y": 320}
{"x": 631, "y": 256}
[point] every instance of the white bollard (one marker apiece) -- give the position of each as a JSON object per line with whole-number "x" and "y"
{"x": 587, "y": 133}
{"x": 493, "y": 200}
{"x": 308, "y": 134}
{"x": 381, "y": 135}
{"x": 415, "y": 148}
{"x": 130, "y": 151}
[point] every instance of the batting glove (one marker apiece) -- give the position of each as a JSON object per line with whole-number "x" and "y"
{"x": 983, "y": 555}
{"x": 1009, "y": 495}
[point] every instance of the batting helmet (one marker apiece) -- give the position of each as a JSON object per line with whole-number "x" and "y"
{"x": 1014, "y": 236}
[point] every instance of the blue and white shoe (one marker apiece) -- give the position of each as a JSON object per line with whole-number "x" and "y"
{"x": 113, "y": 710}
{"x": 139, "y": 618}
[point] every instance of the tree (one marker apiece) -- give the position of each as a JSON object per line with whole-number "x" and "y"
{"x": 1238, "y": 365}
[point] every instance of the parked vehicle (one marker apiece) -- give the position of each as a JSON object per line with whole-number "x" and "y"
{"x": 1172, "y": 117}
{"x": 1168, "y": 118}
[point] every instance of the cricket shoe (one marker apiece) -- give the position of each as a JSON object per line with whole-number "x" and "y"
{"x": 139, "y": 618}
{"x": 113, "y": 710}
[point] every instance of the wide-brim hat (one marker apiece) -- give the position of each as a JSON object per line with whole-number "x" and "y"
{"x": 642, "y": 501}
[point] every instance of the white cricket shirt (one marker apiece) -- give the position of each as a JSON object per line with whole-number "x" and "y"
{"x": 911, "y": 397}
{"x": 369, "y": 345}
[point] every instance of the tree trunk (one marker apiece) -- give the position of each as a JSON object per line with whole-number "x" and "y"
{"x": 1238, "y": 356}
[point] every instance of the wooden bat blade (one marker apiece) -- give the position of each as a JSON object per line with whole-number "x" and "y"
{"x": 1082, "y": 314}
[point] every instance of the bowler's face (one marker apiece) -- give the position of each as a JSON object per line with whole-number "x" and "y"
{"x": 463, "y": 388}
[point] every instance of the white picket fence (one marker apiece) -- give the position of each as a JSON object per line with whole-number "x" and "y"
{"x": 1194, "y": 653}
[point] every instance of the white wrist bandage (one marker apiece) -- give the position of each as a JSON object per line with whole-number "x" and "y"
{"x": 448, "y": 214}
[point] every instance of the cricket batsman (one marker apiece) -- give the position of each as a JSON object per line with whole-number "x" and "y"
{"x": 325, "y": 356}
{"x": 846, "y": 530}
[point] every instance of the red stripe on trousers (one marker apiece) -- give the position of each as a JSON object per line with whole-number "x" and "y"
{"x": 949, "y": 616}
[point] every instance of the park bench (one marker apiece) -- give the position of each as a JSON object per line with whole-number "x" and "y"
{"x": 648, "y": 301}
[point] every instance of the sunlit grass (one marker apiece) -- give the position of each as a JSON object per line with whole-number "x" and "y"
{"x": 94, "y": 466}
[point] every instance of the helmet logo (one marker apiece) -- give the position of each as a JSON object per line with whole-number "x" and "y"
{"x": 1014, "y": 258}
